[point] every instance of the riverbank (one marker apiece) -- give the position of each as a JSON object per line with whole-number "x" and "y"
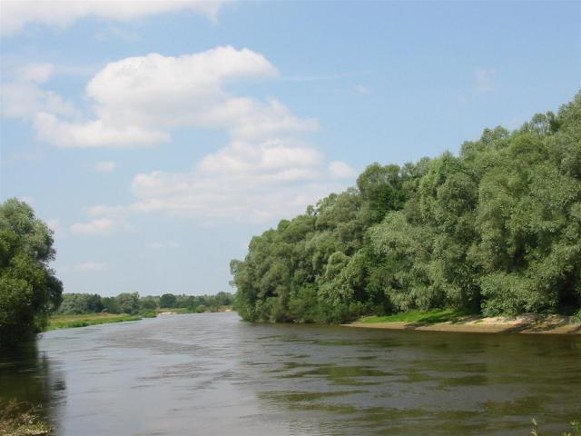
{"x": 18, "y": 419}
{"x": 74, "y": 321}
{"x": 529, "y": 324}
{"x": 88, "y": 319}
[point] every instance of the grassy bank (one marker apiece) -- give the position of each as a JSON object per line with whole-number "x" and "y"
{"x": 418, "y": 317}
{"x": 72, "y": 321}
{"x": 19, "y": 419}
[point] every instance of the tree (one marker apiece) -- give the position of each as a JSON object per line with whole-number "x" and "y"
{"x": 128, "y": 303}
{"x": 381, "y": 190}
{"x": 149, "y": 303}
{"x": 29, "y": 290}
{"x": 168, "y": 301}
{"x": 110, "y": 305}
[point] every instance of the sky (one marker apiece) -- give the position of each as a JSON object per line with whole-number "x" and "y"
{"x": 157, "y": 137}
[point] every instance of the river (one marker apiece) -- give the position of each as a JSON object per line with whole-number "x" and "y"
{"x": 211, "y": 374}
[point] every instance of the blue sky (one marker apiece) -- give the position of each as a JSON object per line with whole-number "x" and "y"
{"x": 156, "y": 138}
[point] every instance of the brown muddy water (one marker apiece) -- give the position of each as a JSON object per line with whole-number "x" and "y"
{"x": 211, "y": 374}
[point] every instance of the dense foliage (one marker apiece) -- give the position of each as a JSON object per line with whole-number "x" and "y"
{"x": 133, "y": 304}
{"x": 29, "y": 291}
{"x": 495, "y": 230}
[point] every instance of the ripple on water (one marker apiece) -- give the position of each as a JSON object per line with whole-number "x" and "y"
{"x": 211, "y": 374}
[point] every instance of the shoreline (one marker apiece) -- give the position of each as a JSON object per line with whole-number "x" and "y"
{"x": 522, "y": 324}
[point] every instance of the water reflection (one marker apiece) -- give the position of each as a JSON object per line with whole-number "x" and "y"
{"x": 28, "y": 376}
{"x": 422, "y": 382}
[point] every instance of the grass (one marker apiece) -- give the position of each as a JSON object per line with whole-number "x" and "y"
{"x": 84, "y": 320}
{"x": 73, "y": 321}
{"x": 19, "y": 419}
{"x": 419, "y": 317}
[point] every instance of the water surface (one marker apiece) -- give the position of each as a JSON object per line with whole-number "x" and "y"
{"x": 211, "y": 374}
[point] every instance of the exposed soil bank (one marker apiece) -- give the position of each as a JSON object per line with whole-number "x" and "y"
{"x": 531, "y": 324}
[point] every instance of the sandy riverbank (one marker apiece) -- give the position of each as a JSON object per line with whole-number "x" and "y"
{"x": 531, "y": 324}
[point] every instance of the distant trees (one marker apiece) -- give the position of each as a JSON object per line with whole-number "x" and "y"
{"x": 29, "y": 290}
{"x": 495, "y": 230}
{"x": 196, "y": 303}
{"x": 75, "y": 304}
{"x": 132, "y": 303}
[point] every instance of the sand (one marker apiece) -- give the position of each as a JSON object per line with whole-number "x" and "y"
{"x": 529, "y": 324}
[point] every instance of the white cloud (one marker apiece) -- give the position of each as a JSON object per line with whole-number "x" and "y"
{"x": 62, "y": 13}
{"x": 340, "y": 170}
{"x": 90, "y": 266}
{"x": 151, "y": 79}
{"x": 248, "y": 119}
{"x": 94, "y": 133}
{"x": 242, "y": 158}
{"x": 23, "y": 97}
{"x": 37, "y": 73}
{"x": 264, "y": 172}
{"x": 105, "y": 167}
{"x": 242, "y": 182}
{"x": 101, "y": 226}
{"x": 139, "y": 101}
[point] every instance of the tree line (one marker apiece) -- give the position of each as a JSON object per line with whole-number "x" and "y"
{"x": 132, "y": 303}
{"x": 494, "y": 230}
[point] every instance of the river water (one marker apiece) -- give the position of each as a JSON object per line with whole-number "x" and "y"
{"x": 211, "y": 374}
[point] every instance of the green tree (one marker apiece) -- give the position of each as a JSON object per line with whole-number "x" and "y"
{"x": 168, "y": 301}
{"x": 149, "y": 303}
{"x": 381, "y": 190}
{"x": 529, "y": 216}
{"x": 128, "y": 303}
{"x": 29, "y": 290}
{"x": 111, "y": 305}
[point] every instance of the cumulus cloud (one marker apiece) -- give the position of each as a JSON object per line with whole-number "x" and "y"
{"x": 269, "y": 159}
{"x": 265, "y": 171}
{"x": 36, "y": 73}
{"x": 139, "y": 101}
{"x": 94, "y": 134}
{"x": 242, "y": 182}
{"x": 101, "y": 226}
{"x": 23, "y": 96}
{"x": 341, "y": 170}
{"x": 16, "y": 14}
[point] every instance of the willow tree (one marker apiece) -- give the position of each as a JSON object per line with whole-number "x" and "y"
{"x": 29, "y": 290}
